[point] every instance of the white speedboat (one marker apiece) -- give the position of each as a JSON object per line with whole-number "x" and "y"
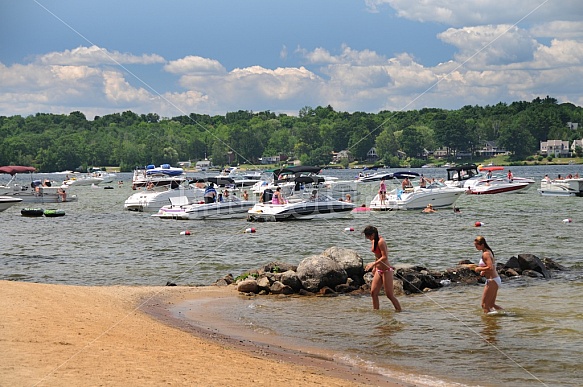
{"x": 233, "y": 207}
{"x": 108, "y": 177}
{"x": 35, "y": 192}
{"x": 438, "y": 194}
{"x": 302, "y": 180}
{"x": 158, "y": 176}
{"x": 561, "y": 187}
{"x": 83, "y": 180}
{"x": 8, "y": 201}
{"x": 316, "y": 207}
{"x": 151, "y": 200}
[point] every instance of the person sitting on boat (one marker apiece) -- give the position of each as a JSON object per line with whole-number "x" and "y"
{"x": 510, "y": 176}
{"x": 150, "y": 186}
{"x": 489, "y": 175}
{"x": 226, "y": 196}
{"x": 348, "y": 198}
{"x": 422, "y": 182}
{"x": 277, "y": 197}
{"x": 210, "y": 193}
{"x": 406, "y": 184}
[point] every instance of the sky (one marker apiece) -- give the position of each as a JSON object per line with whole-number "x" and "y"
{"x": 177, "y": 57}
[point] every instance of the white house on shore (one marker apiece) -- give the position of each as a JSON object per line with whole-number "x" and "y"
{"x": 558, "y": 148}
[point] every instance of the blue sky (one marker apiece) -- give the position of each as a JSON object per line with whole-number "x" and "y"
{"x": 211, "y": 57}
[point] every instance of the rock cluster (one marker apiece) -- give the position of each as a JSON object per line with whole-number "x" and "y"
{"x": 338, "y": 270}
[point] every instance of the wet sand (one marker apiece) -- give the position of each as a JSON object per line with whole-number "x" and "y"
{"x": 55, "y": 335}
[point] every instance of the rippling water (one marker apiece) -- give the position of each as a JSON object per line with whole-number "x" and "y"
{"x": 442, "y": 334}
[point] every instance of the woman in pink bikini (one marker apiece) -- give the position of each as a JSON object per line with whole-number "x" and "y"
{"x": 487, "y": 268}
{"x": 383, "y": 272}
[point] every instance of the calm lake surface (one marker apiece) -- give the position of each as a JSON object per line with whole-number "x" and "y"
{"x": 441, "y": 338}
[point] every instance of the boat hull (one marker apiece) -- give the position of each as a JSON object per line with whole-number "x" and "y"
{"x": 498, "y": 188}
{"x": 8, "y": 201}
{"x": 225, "y": 210}
{"x": 418, "y": 199}
{"x": 567, "y": 187}
{"x": 306, "y": 210}
{"x": 152, "y": 201}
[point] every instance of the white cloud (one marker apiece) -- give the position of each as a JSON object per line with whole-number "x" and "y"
{"x": 195, "y": 65}
{"x": 482, "y": 12}
{"x": 490, "y": 45}
{"x": 93, "y": 56}
{"x": 559, "y": 30}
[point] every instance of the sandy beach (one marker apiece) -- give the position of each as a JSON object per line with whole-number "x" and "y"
{"x": 55, "y": 335}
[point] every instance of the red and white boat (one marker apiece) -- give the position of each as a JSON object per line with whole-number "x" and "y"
{"x": 486, "y": 182}
{"x": 496, "y": 186}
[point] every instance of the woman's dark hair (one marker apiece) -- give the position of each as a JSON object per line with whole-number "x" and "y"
{"x": 372, "y": 230}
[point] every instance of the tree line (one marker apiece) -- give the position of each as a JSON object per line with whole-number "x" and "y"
{"x": 56, "y": 142}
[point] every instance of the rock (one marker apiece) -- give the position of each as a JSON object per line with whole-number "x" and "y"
{"x": 349, "y": 260}
{"x": 304, "y": 292}
{"x": 552, "y": 265}
{"x": 278, "y": 267}
{"x": 263, "y": 283}
{"x": 290, "y": 278}
{"x": 221, "y": 282}
{"x": 532, "y": 262}
{"x": 532, "y": 273}
{"x": 511, "y": 273}
{"x": 318, "y": 271}
{"x": 279, "y": 288}
{"x": 513, "y": 263}
{"x": 248, "y": 286}
{"x": 326, "y": 291}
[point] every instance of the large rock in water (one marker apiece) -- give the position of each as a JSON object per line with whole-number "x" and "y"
{"x": 318, "y": 271}
{"x": 349, "y": 260}
{"x": 532, "y": 262}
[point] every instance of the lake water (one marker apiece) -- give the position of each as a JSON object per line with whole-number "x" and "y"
{"x": 441, "y": 338}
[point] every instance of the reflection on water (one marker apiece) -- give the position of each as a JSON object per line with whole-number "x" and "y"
{"x": 440, "y": 334}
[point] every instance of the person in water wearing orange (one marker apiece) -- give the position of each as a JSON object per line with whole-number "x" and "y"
{"x": 383, "y": 272}
{"x": 487, "y": 268}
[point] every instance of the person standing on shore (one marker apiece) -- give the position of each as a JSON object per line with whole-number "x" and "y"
{"x": 382, "y": 271}
{"x": 487, "y": 268}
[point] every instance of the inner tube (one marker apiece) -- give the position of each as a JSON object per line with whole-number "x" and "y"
{"x": 32, "y": 212}
{"x": 53, "y": 213}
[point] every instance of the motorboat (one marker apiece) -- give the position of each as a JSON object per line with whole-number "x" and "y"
{"x": 458, "y": 175}
{"x": 8, "y": 201}
{"x": 108, "y": 177}
{"x": 151, "y": 200}
{"x": 302, "y": 180}
{"x": 315, "y": 207}
{"x": 479, "y": 180}
{"x": 561, "y": 187}
{"x": 38, "y": 191}
{"x": 496, "y": 186}
{"x": 83, "y": 180}
{"x": 436, "y": 193}
{"x": 241, "y": 178}
{"x": 181, "y": 208}
{"x": 158, "y": 176}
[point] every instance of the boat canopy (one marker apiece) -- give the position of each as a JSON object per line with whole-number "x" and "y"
{"x": 402, "y": 175}
{"x": 462, "y": 172}
{"x": 14, "y": 169}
